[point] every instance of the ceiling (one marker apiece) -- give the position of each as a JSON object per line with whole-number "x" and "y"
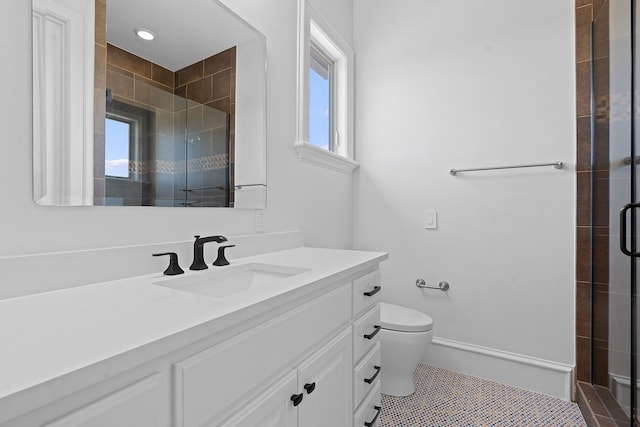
{"x": 186, "y": 30}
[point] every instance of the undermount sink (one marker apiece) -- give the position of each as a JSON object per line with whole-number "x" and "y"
{"x": 233, "y": 280}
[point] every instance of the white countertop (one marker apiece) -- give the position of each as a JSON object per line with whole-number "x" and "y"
{"x": 49, "y": 335}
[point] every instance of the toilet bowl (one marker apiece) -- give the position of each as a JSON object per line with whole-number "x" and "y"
{"x": 404, "y": 336}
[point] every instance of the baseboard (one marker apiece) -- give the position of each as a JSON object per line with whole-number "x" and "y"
{"x": 531, "y": 373}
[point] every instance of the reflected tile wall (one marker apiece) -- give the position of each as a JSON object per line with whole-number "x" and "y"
{"x": 208, "y": 88}
{"x": 99, "y": 97}
{"x": 144, "y": 84}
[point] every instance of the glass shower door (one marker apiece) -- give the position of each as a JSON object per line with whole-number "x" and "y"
{"x": 614, "y": 209}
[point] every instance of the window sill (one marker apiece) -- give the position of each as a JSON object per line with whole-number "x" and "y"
{"x": 320, "y": 157}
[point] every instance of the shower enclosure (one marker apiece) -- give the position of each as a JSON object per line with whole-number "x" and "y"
{"x": 169, "y": 141}
{"x": 614, "y": 207}
{"x": 167, "y": 150}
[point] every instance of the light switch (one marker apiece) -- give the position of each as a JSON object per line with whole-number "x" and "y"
{"x": 430, "y": 219}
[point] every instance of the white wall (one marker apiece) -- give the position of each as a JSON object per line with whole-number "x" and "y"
{"x": 440, "y": 84}
{"x": 327, "y": 220}
{"x": 299, "y": 196}
{"x": 444, "y": 84}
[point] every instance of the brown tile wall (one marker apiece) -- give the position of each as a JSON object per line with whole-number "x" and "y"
{"x": 600, "y": 202}
{"x": 212, "y": 82}
{"x": 583, "y": 19}
{"x": 592, "y": 221}
{"x": 135, "y": 79}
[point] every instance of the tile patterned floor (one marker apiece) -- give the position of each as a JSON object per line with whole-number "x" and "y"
{"x": 446, "y": 398}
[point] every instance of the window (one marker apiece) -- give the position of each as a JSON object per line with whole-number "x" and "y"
{"x": 117, "y": 146}
{"x": 325, "y": 94}
{"x": 321, "y": 98}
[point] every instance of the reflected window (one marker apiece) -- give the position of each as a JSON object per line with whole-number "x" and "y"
{"x": 118, "y": 142}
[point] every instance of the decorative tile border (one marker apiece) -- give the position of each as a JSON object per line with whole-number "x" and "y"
{"x": 199, "y": 164}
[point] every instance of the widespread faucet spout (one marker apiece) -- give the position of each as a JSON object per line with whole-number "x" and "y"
{"x": 198, "y": 251}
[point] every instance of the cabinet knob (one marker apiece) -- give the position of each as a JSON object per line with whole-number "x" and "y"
{"x": 375, "y": 290}
{"x": 296, "y": 399}
{"x": 374, "y": 333}
{"x": 373, "y": 421}
{"x": 309, "y": 387}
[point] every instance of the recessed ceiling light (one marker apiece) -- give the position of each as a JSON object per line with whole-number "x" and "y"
{"x": 145, "y": 34}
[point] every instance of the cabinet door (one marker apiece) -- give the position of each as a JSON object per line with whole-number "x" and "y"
{"x": 134, "y": 405}
{"x": 212, "y": 380}
{"x": 273, "y": 408}
{"x": 325, "y": 379}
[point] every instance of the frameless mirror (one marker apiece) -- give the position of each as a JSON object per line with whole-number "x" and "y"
{"x": 122, "y": 120}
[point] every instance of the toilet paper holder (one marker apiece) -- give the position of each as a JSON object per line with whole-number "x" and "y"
{"x": 443, "y": 286}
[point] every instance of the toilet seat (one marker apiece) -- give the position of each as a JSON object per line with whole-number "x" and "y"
{"x": 403, "y": 319}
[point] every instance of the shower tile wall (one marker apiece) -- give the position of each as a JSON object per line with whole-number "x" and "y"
{"x": 589, "y": 334}
{"x": 592, "y": 215}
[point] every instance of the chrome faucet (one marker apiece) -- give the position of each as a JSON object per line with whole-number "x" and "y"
{"x": 198, "y": 251}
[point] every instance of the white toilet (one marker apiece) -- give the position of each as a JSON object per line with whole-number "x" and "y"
{"x": 404, "y": 336}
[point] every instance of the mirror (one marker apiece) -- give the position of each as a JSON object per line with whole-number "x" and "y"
{"x": 176, "y": 121}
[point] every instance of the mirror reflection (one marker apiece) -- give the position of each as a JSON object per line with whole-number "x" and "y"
{"x": 179, "y": 113}
{"x": 168, "y": 137}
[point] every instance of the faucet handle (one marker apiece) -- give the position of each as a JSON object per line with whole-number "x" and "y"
{"x": 221, "y": 260}
{"x": 174, "y": 267}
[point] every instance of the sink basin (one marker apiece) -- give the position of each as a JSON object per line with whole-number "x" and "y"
{"x": 233, "y": 280}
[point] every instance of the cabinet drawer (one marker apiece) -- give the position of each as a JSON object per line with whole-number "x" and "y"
{"x": 366, "y": 333}
{"x": 211, "y": 380}
{"x": 366, "y": 374}
{"x": 366, "y": 291}
{"x": 369, "y": 411}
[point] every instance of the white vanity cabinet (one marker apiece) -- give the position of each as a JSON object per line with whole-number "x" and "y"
{"x": 241, "y": 369}
{"x": 316, "y": 394}
{"x": 366, "y": 349}
{"x": 209, "y": 382}
{"x": 138, "y": 398}
{"x": 309, "y": 358}
{"x": 136, "y": 404}
{"x": 273, "y": 408}
{"x": 368, "y": 413}
{"x": 325, "y": 382}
